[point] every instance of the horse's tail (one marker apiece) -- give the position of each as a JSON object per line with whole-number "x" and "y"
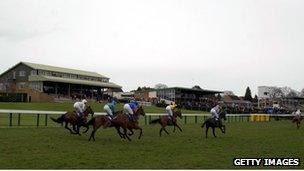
{"x": 155, "y": 121}
{"x": 91, "y": 122}
{"x": 59, "y": 120}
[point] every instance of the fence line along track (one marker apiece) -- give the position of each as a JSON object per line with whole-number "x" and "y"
{"x": 147, "y": 118}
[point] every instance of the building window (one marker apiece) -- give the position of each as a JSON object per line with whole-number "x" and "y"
{"x": 105, "y": 80}
{"x": 33, "y": 72}
{"x": 14, "y": 75}
{"x": 21, "y": 73}
{"x": 1, "y": 86}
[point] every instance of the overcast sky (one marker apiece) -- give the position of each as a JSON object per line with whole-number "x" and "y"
{"x": 216, "y": 44}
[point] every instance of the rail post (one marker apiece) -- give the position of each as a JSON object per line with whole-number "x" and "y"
{"x": 38, "y": 116}
{"x": 10, "y": 119}
{"x": 19, "y": 119}
{"x": 195, "y": 118}
{"x": 149, "y": 118}
{"x": 185, "y": 120}
{"x": 46, "y": 119}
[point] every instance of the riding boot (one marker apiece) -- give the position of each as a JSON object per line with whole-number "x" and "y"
{"x": 80, "y": 120}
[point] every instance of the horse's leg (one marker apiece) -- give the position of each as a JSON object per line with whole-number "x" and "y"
{"x": 180, "y": 129}
{"x": 95, "y": 127}
{"x": 174, "y": 128}
{"x": 74, "y": 128}
{"x": 207, "y": 128}
{"x": 86, "y": 126}
{"x": 66, "y": 126}
{"x": 160, "y": 131}
{"x": 136, "y": 127}
{"x": 125, "y": 133}
{"x": 223, "y": 129}
{"x": 121, "y": 135}
{"x": 92, "y": 135}
{"x": 213, "y": 131}
{"x": 166, "y": 131}
{"x": 78, "y": 129}
{"x": 298, "y": 125}
{"x": 131, "y": 131}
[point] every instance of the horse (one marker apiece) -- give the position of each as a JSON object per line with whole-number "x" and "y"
{"x": 71, "y": 117}
{"x": 105, "y": 122}
{"x": 211, "y": 122}
{"x": 120, "y": 120}
{"x": 297, "y": 119}
{"x": 167, "y": 121}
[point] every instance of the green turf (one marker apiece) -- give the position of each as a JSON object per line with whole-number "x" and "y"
{"x": 55, "y": 148}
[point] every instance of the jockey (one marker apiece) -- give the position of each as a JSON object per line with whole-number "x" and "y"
{"x": 110, "y": 108}
{"x": 215, "y": 112}
{"x": 297, "y": 113}
{"x": 169, "y": 111}
{"x": 79, "y": 108}
{"x": 129, "y": 109}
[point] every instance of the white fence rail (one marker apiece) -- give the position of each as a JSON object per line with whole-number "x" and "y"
{"x": 147, "y": 118}
{"x": 7, "y": 111}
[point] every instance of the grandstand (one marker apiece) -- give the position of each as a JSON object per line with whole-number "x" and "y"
{"x": 45, "y": 83}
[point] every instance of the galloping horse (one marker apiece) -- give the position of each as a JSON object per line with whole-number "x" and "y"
{"x": 167, "y": 121}
{"x": 71, "y": 117}
{"x": 121, "y": 120}
{"x": 297, "y": 119}
{"x": 211, "y": 122}
{"x": 103, "y": 121}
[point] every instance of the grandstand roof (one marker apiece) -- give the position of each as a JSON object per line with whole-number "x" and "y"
{"x": 204, "y": 91}
{"x": 57, "y": 69}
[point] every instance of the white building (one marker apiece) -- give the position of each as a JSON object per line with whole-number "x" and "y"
{"x": 264, "y": 92}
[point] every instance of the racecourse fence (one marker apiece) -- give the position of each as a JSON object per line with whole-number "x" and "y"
{"x": 41, "y": 117}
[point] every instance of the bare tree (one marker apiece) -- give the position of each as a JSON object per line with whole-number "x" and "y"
{"x": 276, "y": 92}
{"x": 302, "y": 93}
{"x": 292, "y": 94}
{"x": 160, "y": 86}
{"x": 197, "y": 87}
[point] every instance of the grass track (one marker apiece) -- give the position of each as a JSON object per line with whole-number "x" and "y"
{"x": 55, "y": 148}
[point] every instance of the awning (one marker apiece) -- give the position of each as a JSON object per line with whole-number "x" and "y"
{"x": 73, "y": 81}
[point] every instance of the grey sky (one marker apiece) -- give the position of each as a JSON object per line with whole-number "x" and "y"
{"x": 217, "y": 44}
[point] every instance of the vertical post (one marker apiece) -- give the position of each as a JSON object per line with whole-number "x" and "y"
{"x": 145, "y": 120}
{"x": 46, "y": 119}
{"x": 19, "y": 119}
{"x": 149, "y": 118}
{"x": 185, "y": 119}
{"x": 195, "y": 118}
{"x": 38, "y": 116}
{"x": 10, "y": 119}
{"x": 69, "y": 91}
{"x": 56, "y": 88}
